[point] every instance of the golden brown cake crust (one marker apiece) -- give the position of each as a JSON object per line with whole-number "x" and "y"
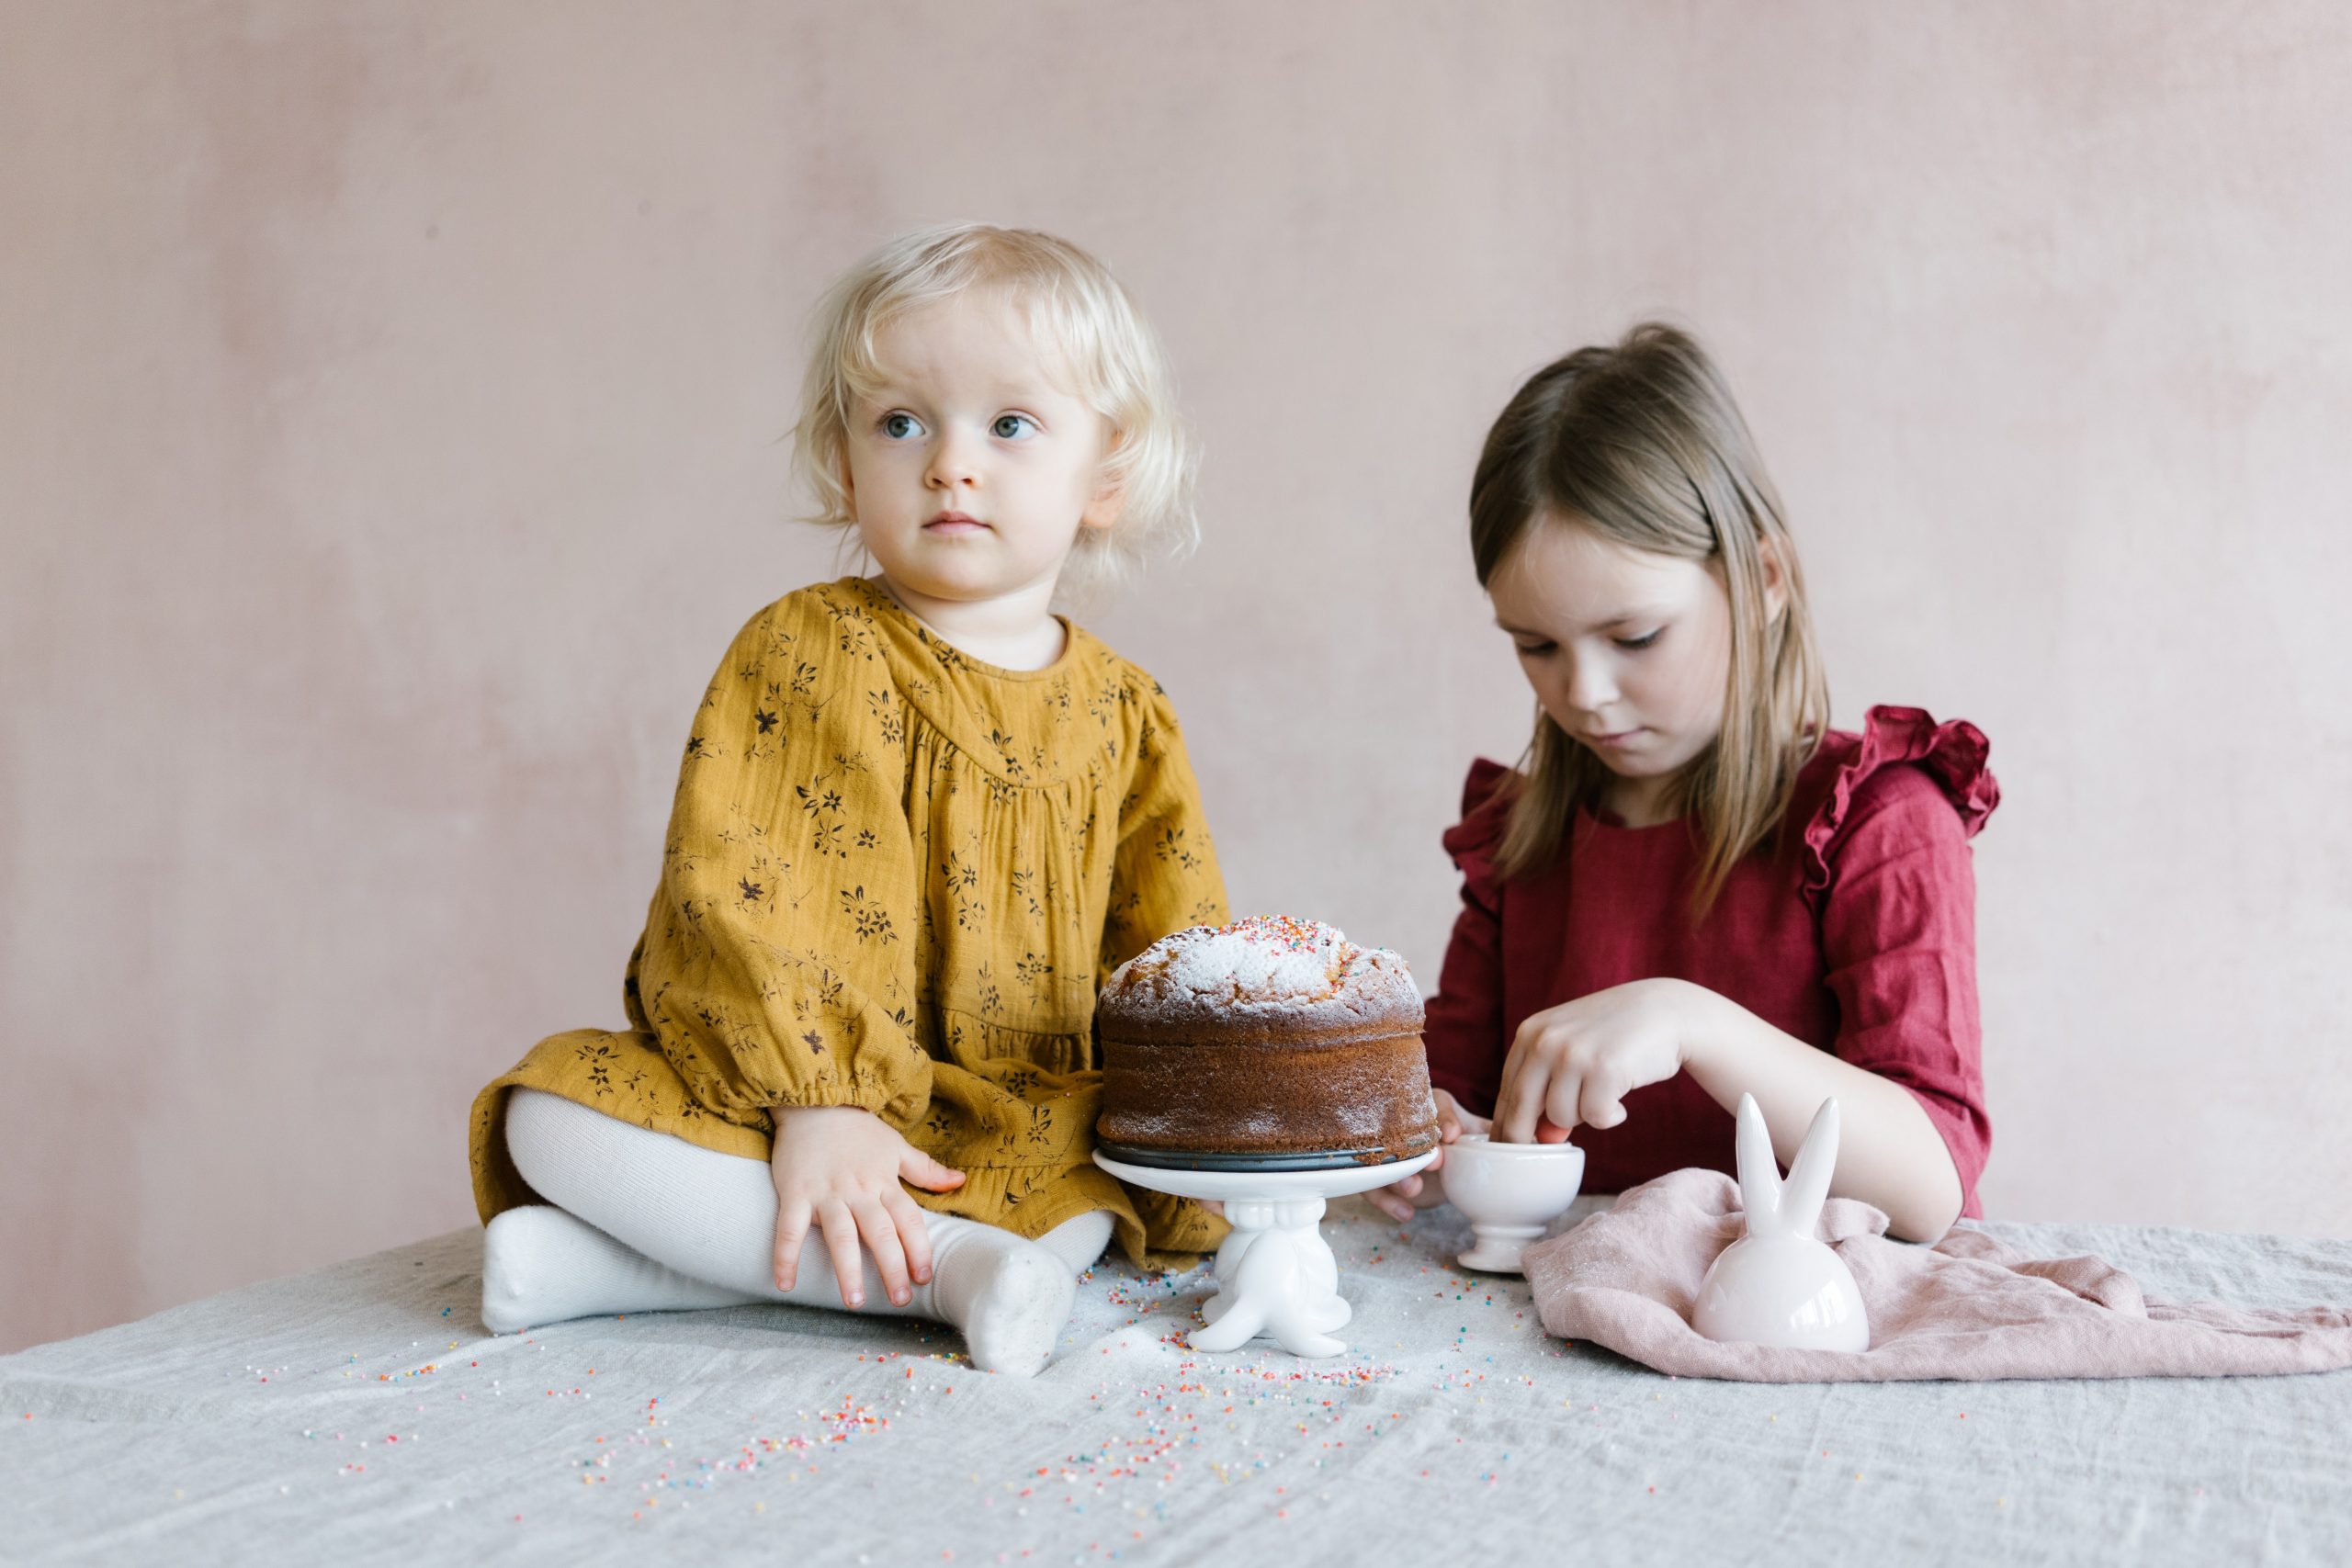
{"x": 1268, "y": 1036}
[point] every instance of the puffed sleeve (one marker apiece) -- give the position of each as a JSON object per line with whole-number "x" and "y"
{"x": 1463, "y": 1034}
{"x": 1889, "y": 870}
{"x": 1164, "y": 874}
{"x": 777, "y": 967}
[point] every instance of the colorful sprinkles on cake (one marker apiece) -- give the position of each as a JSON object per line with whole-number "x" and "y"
{"x": 1270, "y": 961}
{"x": 1290, "y": 932}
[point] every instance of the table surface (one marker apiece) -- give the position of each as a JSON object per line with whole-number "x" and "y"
{"x": 359, "y": 1414}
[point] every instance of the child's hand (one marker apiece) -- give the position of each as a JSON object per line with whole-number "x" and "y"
{"x": 1574, "y": 1063}
{"x": 1401, "y": 1198}
{"x": 842, "y": 1167}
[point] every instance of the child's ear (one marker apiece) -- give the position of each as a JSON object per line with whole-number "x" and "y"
{"x": 1776, "y": 579}
{"x": 1105, "y": 509}
{"x": 1110, "y": 494}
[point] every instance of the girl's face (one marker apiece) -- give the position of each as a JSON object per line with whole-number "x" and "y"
{"x": 971, "y": 467}
{"x": 1629, "y": 652}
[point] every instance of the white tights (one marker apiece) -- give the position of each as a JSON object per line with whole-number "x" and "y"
{"x": 644, "y": 1222}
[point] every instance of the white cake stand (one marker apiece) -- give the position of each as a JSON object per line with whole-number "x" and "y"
{"x": 1275, "y": 1274}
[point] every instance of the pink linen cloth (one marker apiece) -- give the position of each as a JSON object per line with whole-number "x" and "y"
{"x": 1969, "y": 1307}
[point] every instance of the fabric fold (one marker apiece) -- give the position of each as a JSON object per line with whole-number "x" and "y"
{"x": 1970, "y": 1307}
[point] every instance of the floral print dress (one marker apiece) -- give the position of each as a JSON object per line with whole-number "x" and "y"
{"x": 895, "y": 878}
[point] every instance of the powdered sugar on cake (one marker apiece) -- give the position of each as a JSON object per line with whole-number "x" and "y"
{"x": 1272, "y": 1035}
{"x": 1274, "y": 963}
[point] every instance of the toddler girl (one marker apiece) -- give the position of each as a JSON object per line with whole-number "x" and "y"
{"x": 1691, "y": 887}
{"x": 920, "y": 817}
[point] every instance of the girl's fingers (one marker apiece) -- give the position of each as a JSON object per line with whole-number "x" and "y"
{"x": 913, "y": 1235}
{"x": 1515, "y": 1118}
{"x": 1506, "y": 1091}
{"x": 1561, "y": 1101}
{"x": 1528, "y": 1073}
{"x": 791, "y": 1230}
{"x": 1603, "y": 1103}
{"x": 881, "y": 1237}
{"x": 841, "y": 1244}
{"x": 1388, "y": 1203}
{"x": 917, "y": 1169}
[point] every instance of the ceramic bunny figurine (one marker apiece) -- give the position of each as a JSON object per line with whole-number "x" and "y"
{"x": 1777, "y": 1285}
{"x": 1276, "y": 1279}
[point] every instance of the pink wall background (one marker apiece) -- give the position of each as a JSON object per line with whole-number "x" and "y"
{"x": 390, "y": 408}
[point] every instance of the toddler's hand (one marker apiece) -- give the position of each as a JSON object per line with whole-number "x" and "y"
{"x": 841, "y": 1167}
{"x": 1401, "y": 1198}
{"x": 1574, "y": 1063}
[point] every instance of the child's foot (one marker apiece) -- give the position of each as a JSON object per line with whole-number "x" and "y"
{"x": 1010, "y": 1297}
{"x": 541, "y": 1264}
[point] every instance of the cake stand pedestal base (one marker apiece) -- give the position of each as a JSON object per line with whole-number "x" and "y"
{"x": 1275, "y": 1275}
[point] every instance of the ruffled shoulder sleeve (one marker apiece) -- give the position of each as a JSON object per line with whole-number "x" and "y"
{"x": 1485, "y": 812}
{"x": 1902, "y": 754}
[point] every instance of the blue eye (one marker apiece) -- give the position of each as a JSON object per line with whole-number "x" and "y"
{"x": 900, "y": 426}
{"x": 1009, "y": 426}
{"x": 1635, "y": 643}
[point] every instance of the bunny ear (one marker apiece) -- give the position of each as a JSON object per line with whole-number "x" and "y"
{"x": 1809, "y": 1175}
{"x": 1759, "y": 1173}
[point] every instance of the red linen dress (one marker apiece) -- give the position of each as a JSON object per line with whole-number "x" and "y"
{"x": 1858, "y": 936}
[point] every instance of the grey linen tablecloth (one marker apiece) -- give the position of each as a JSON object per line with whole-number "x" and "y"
{"x": 359, "y": 1414}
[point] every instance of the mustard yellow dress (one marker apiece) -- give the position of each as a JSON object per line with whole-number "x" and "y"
{"x": 895, "y": 878}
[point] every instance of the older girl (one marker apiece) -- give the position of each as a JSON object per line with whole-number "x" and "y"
{"x": 1691, "y": 887}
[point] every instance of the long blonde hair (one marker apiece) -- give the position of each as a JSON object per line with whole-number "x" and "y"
{"x": 1641, "y": 443}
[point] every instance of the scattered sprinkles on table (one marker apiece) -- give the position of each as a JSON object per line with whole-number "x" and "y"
{"x": 1146, "y": 1433}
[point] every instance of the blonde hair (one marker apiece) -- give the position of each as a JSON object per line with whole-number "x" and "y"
{"x": 1079, "y": 310}
{"x": 1641, "y": 443}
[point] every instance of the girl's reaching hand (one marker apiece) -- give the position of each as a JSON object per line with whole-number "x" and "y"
{"x": 1573, "y": 1065}
{"x": 841, "y": 1167}
{"x": 1452, "y": 1122}
{"x": 1399, "y": 1199}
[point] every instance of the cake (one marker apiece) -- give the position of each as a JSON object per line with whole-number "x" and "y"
{"x": 1270, "y": 1037}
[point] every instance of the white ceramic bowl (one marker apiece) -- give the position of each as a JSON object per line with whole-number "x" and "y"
{"x": 1508, "y": 1193}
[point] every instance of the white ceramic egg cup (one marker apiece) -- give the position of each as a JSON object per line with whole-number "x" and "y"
{"x": 1510, "y": 1193}
{"x": 1275, "y": 1274}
